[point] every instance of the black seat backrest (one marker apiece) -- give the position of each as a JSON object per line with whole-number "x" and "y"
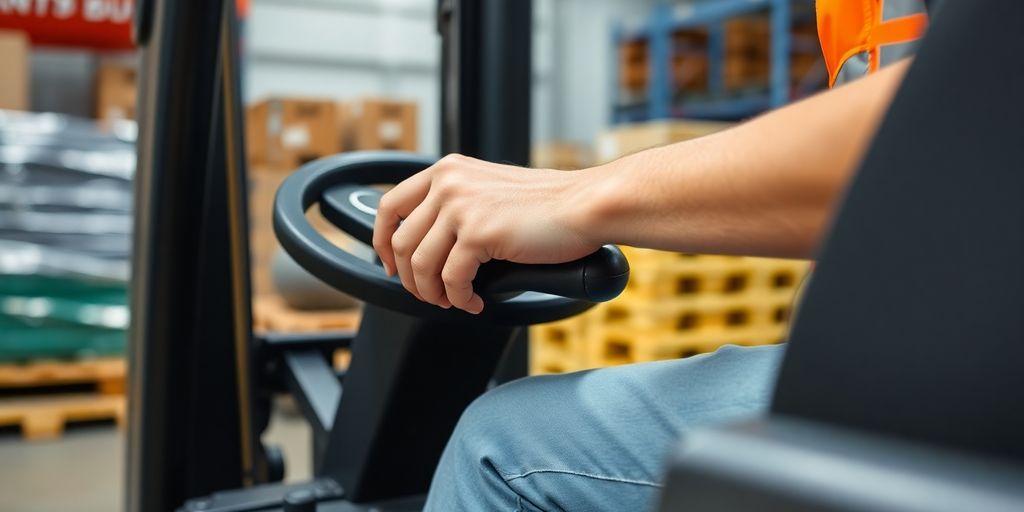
{"x": 913, "y": 322}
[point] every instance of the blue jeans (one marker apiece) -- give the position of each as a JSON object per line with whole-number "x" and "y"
{"x": 593, "y": 440}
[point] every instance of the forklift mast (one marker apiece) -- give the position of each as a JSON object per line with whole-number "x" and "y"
{"x": 196, "y": 404}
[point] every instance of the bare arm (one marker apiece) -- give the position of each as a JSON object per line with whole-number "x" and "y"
{"x": 766, "y": 187}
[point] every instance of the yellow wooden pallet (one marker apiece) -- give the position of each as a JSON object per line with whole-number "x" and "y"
{"x": 270, "y": 313}
{"x": 108, "y": 374}
{"x": 558, "y": 347}
{"x": 693, "y": 314}
{"x": 675, "y": 306}
{"x": 45, "y": 417}
{"x": 614, "y": 347}
{"x": 658, "y": 279}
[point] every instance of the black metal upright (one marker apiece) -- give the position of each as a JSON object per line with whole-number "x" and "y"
{"x": 486, "y": 78}
{"x": 190, "y": 425}
{"x": 486, "y": 85}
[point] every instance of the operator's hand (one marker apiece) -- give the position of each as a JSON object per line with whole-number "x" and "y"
{"x": 436, "y": 228}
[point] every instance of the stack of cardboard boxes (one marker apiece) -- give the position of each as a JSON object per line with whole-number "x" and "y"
{"x": 115, "y": 91}
{"x": 283, "y": 133}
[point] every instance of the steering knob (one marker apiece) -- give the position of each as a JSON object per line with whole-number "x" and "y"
{"x": 598, "y": 277}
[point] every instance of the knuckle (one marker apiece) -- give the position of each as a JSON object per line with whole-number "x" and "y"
{"x": 482, "y": 237}
{"x": 420, "y": 263}
{"x": 385, "y": 205}
{"x": 449, "y": 278}
{"x": 448, "y": 185}
{"x": 454, "y": 158}
{"x": 453, "y": 279}
{"x": 400, "y": 246}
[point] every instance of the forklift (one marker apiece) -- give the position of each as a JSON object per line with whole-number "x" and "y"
{"x": 901, "y": 389}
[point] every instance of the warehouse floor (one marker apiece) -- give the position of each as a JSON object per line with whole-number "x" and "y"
{"x": 83, "y": 470}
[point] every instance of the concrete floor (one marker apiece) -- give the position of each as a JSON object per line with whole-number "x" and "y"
{"x": 83, "y": 470}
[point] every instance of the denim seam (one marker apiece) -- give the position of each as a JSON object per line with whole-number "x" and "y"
{"x": 510, "y": 478}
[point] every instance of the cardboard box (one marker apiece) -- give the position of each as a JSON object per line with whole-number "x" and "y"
{"x": 748, "y": 35}
{"x": 263, "y": 184}
{"x": 284, "y": 133}
{"x": 633, "y": 65}
{"x": 628, "y": 139}
{"x": 690, "y": 71}
{"x": 14, "y": 80}
{"x": 383, "y": 124}
{"x": 116, "y": 91}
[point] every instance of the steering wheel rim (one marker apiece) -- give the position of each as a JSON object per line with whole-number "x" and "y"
{"x": 365, "y": 280}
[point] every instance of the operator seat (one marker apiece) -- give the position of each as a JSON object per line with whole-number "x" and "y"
{"x": 903, "y": 384}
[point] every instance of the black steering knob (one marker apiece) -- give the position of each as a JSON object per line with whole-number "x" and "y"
{"x": 597, "y": 277}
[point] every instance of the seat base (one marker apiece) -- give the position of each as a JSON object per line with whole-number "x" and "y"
{"x": 270, "y": 497}
{"x": 782, "y": 463}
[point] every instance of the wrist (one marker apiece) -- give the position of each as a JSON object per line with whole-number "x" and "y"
{"x": 599, "y": 201}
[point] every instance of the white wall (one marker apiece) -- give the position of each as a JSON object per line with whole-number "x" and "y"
{"x": 582, "y": 88}
{"x": 345, "y": 49}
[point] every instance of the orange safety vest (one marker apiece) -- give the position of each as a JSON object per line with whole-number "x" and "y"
{"x": 860, "y": 36}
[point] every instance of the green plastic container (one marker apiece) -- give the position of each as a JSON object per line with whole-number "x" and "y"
{"x": 57, "y": 318}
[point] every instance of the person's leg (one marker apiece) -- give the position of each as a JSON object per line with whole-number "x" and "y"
{"x": 593, "y": 440}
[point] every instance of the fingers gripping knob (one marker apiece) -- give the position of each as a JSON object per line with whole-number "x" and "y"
{"x": 342, "y": 186}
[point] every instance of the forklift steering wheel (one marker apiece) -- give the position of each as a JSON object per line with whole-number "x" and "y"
{"x": 514, "y": 294}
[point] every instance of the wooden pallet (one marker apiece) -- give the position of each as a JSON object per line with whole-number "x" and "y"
{"x": 108, "y": 374}
{"x": 44, "y": 417}
{"x": 270, "y": 313}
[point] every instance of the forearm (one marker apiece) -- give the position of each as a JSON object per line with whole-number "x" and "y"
{"x": 766, "y": 187}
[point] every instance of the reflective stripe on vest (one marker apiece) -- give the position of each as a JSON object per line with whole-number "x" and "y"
{"x": 860, "y": 36}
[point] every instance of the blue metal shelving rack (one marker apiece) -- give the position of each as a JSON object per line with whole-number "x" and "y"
{"x": 666, "y": 19}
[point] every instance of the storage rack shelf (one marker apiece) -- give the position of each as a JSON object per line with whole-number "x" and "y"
{"x": 662, "y": 100}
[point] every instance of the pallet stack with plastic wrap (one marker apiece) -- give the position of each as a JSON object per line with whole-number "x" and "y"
{"x": 674, "y": 306}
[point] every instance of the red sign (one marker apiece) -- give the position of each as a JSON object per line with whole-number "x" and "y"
{"x": 103, "y": 24}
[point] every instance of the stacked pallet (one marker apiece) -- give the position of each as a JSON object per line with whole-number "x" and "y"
{"x": 42, "y": 397}
{"x": 674, "y": 306}
{"x": 270, "y": 313}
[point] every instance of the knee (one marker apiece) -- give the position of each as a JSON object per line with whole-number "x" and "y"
{"x": 490, "y": 421}
{"x": 470, "y": 475}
